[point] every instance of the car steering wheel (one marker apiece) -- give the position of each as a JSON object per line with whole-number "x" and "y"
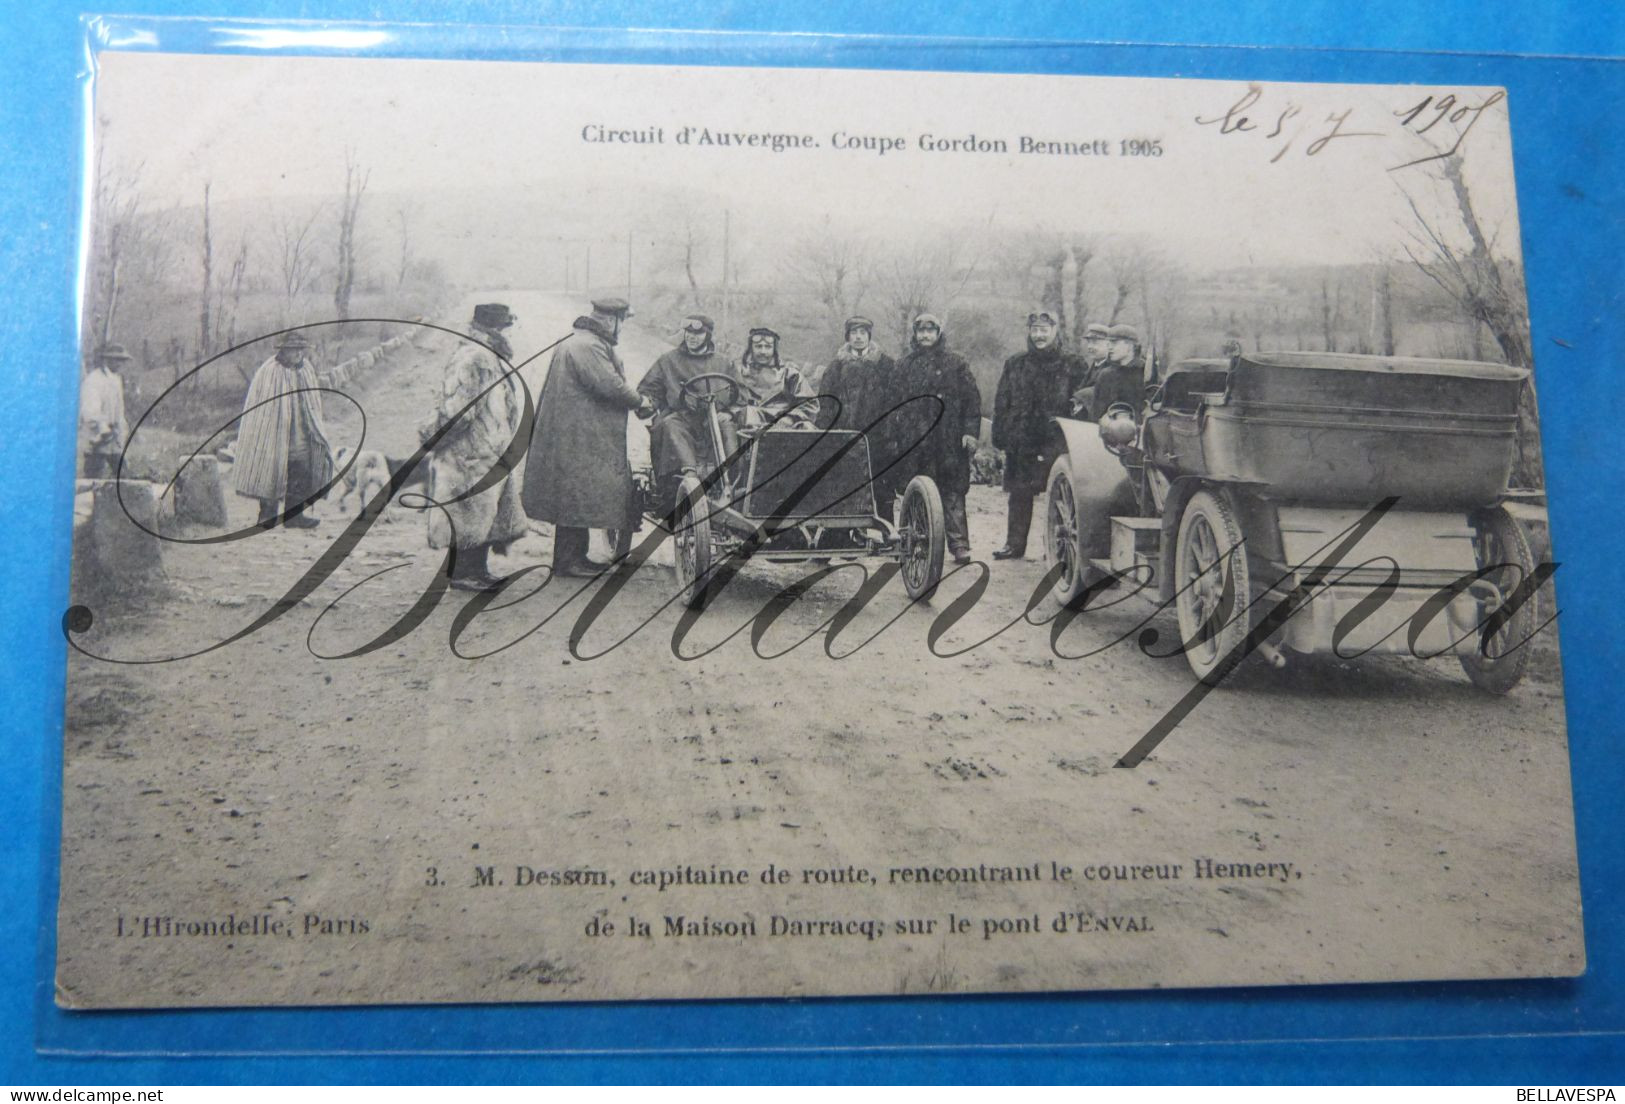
{"x": 695, "y": 395}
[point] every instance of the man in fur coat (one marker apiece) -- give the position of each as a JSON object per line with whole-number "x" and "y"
{"x": 479, "y": 399}
{"x": 947, "y": 429}
{"x": 859, "y": 391}
{"x": 1034, "y": 388}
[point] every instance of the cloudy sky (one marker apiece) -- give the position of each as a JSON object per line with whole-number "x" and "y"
{"x": 278, "y": 127}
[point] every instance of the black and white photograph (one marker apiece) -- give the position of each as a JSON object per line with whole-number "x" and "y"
{"x": 578, "y": 532}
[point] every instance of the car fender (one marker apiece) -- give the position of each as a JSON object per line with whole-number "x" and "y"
{"x": 1101, "y": 486}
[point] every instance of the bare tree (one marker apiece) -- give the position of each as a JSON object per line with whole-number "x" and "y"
{"x": 690, "y": 245}
{"x": 1456, "y": 252}
{"x": 1463, "y": 261}
{"x": 1021, "y": 262}
{"x": 1084, "y": 248}
{"x": 927, "y": 276}
{"x": 296, "y": 254}
{"x": 688, "y": 251}
{"x": 206, "y": 298}
{"x": 1161, "y": 289}
{"x": 230, "y": 295}
{"x": 1042, "y": 268}
{"x": 116, "y": 224}
{"x": 1385, "y": 308}
{"x": 1328, "y": 323}
{"x": 403, "y": 227}
{"x": 355, "y": 185}
{"x": 834, "y": 267}
{"x": 1125, "y": 260}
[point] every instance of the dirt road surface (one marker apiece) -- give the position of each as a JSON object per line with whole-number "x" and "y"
{"x": 409, "y": 825}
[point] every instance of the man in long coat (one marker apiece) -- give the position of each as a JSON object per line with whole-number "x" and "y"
{"x": 679, "y": 437}
{"x": 946, "y": 442}
{"x": 101, "y": 412}
{"x": 577, "y": 475}
{"x": 282, "y": 450}
{"x": 1034, "y": 387}
{"x": 479, "y": 399}
{"x": 858, "y": 391}
{"x": 771, "y": 389}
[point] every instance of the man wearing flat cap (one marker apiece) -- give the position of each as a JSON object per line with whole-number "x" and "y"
{"x": 1122, "y": 379}
{"x": 1034, "y": 387}
{"x": 577, "y": 475}
{"x": 946, "y": 423}
{"x": 283, "y": 457}
{"x": 679, "y": 437}
{"x": 1095, "y": 343}
{"x": 479, "y": 402}
{"x": 858, "y": 391}
{"x": 101, "y": 412}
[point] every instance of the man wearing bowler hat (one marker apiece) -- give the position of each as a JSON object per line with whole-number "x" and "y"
{"x": 283, "y": 457}
{"x": 577, "y": 475}
{"x": 101, "y": 412}
{"x": 479, "y": 410}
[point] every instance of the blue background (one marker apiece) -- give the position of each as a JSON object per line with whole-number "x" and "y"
{"x": 1570, "y": 192}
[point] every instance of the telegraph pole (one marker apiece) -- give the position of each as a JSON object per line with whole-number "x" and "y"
{"x": 726, "y": 228}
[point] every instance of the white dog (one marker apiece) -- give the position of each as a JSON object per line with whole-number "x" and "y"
{"x": 368, "y": 475}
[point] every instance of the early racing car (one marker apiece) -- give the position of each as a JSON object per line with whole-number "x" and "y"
{"x": 784, "y": 494}
{"x": 1243, "y": 474}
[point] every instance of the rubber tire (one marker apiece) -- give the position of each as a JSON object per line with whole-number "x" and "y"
{"x": 1500, "y": 674}
{"x": 1210, "y": 511}
{"x": 692, "y": 550}
{"x": 921, "y": 496}
{"x": 1062, "y": 500}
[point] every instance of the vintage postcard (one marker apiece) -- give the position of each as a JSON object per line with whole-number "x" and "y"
{"x": 578, "y": 532}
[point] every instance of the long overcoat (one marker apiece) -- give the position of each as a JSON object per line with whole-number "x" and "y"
{"x": 1034, "y": 387}
{"x": 484, "y": 407}
{"x": 938, "y": 373}
{"x": 577, "y": 472}
{"x": 859, "y": 393}
{"x": 664, "y": 380}
{"x": 280, "y": 414}
{"x": 680, "y": 425}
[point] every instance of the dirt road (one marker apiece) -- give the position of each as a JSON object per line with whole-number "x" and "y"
{"x": 1390, "y": 821}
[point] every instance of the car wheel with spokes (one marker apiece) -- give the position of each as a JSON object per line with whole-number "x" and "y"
{"x": 1214, "y": 594}
{"x": 921, "y": 537}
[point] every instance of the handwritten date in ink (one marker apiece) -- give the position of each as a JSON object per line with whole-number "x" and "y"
{"x": 1433, "y": 110}
{"x": 1236, "y": 119}
{"x": 1286, "y": 125}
